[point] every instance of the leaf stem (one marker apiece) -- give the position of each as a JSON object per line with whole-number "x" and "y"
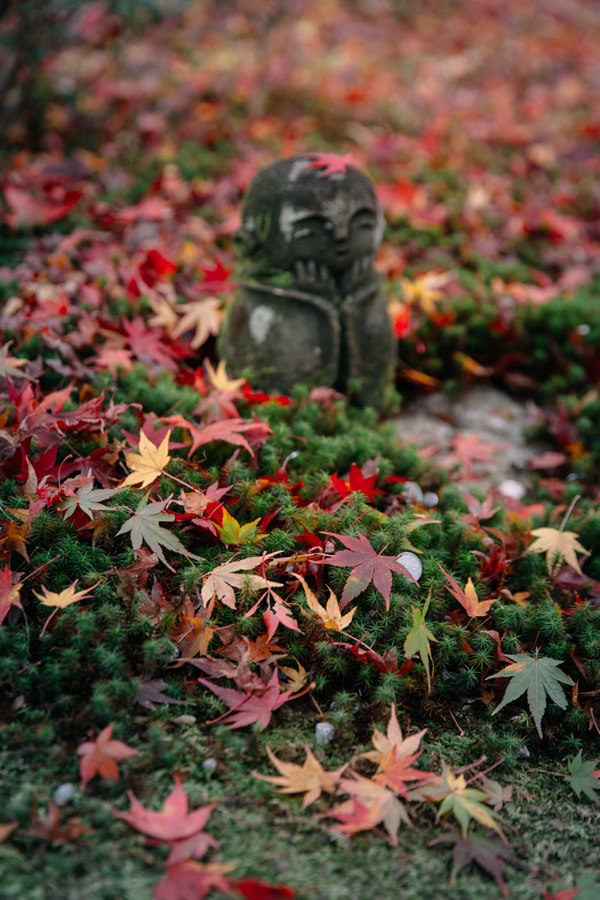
{"x": 568, "y": 512}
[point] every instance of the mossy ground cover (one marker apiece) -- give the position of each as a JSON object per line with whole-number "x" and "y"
{"x": 115, "y": 230}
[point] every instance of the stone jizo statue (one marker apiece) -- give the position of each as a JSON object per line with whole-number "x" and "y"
{"x": 309, "y": 306}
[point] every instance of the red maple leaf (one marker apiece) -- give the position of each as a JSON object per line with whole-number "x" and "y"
{"x": 469, "y": 448}
{"x": 251, "y": 889}
{"x": 246, "y": 708}
{"x": 9, "y": 593}
{"x": 331, "y": 163}
{"x": 192, "y": 879}
{"x": 155, "y": 267}
{"x": 230, "y": 430}
{"x": 356, "y": 482}
{"x": 215, "y": 279}
{"x": 148, "y": 345}
{"x": 173, "y": 822}
{"x": 368, "y": 567}
{"x": 100, "y": 757}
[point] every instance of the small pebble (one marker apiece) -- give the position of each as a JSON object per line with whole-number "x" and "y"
{"x": 324, "y": 732}
{"x": 411, "y": 563}
{"x": 513, "y": 489}
{"x": 523, "y": 753}
{"x": 63, "y": 793}
{"x": 185, "y": 719}
{"x": 413, "y": 492}
{"x": 430, "y": 500}
{"x": 210, "y": 764}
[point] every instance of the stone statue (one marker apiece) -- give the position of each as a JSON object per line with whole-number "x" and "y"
{"x": 309, "y": 306}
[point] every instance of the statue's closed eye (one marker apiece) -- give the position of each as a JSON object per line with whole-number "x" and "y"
{"x": 312, "y": 227}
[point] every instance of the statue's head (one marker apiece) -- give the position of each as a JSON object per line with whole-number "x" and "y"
{"x": 315, "y": 207}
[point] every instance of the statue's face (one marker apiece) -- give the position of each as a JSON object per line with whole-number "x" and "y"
{"x": 293, "y": 214}
{"x": 334, "y": 235}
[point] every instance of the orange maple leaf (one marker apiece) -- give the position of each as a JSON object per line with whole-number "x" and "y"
{"x": 100, "y": 757}
{"x": 310, "y": 778}
{"x": 468, "y": 598}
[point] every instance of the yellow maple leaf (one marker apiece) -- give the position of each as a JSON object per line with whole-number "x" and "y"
{"x": 425, "y": 290}
{"x": 219, "y": 379}
{"x": 309, "y": 778}
{"x": 557, "y": 545}
{"x": 331, "y": 615}
{"x": 296, "y": 678}
{"x": 149, "y": 463}
{"x": 63, "y": 598}
{"x": 231, "y": 532}
{"x": 164, "y": 314}
{"x": 467, "y": 803}
{"x": 203, "y": 317}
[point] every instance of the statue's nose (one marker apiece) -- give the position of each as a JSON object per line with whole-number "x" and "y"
{"x": 341, "y": 232}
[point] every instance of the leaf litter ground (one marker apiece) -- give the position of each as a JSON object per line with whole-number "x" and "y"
{"x": 205, "y": 524}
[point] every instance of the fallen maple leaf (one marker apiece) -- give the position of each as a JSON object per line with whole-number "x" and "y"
{"x": 469, "y": 448}
{"x": 331, "y": 163}
{"x": 88, "y": 500}
{"x": 231, "y": 532}
{"x": 224, "y": 579}
{"x": 9, "y": 593}
{"x": 219, "y": 378}
{"x": 295, "y": 678}
{"x": 425, "y": 290}
{"x": 393, "y": 740}
{"x": 145, "y": 527}
{"x": 149, "y": 463}
{"x": 538, "y": 675}
{"x": 246, "y": 708}
{"x": 465, "y": 803}
{"x": 331, "y": 616}
{"x": 309, "y": 779}
{"x": 173, "y": 822}
{"x": 201, "y": 316}
{"x": 490, "y": 855}
{"x": 229, "y": 430}
{"x": 583, "y": 777}
{"x": 10, "y": 365}
{"x": 152, "y": 692}
{"x": 191, "y": 880}
{"x": 356, "y": 482}
{"x": 251, "y": 889}
{"x": 6, "y": 830}
{"x": 63, "y": 598}
{"x": 370, "y": 804}
{"x": 369, "y": 566}
{"x": 468, "y": 598}
{"x": 557, "y": 545}
{"x": 100, "y": 757}
{"x": 418, "y": 638}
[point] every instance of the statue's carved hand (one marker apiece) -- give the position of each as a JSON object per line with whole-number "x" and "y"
{"x": 356, "y": 274}
{"x": 313, "y": 277}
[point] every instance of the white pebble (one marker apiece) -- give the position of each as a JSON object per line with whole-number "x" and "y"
{"x": 411, "y": 563}
{"x": 515, "y": 490}
{"x": 210, "y": 764}
{"x": 324, "y": 732}
{"x": 63, "y": 793}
